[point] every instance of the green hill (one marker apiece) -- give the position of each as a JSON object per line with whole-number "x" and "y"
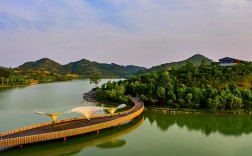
{"x": 208, "y": 87}
{"x": 42, "y": 64}
{"x": 83, "y": 67}
{"x": 195, "y": 59}
{"x": 86, "y": 68}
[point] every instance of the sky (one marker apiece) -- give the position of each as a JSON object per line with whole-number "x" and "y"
{"x": 126, "y": 32}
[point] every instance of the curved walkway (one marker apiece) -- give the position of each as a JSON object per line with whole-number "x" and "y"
{"x": 68, "y": 127}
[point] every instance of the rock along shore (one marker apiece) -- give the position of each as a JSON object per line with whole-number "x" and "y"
{"x": 90, "y": 96}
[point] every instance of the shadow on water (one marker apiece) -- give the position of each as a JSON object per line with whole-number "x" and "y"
{"x": 105, "y": 139}
{"x": 113, "y": 144}
{"x": 207, "y": 124}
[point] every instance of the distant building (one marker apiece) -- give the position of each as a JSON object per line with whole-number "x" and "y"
{"x": 33, "y": 82}
{"x": 73, "y": 75}
{"x": 228, "y": 61}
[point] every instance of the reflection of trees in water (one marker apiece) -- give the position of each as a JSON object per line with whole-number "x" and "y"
{"x": 112, "y": 144}
{"x": 163, "y": 121}
{"x": 226, "y": 125}
{"x": 107, "y": 138}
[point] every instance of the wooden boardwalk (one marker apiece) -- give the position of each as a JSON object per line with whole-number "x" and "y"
{"x": 75, "y": 145}
{"x": 68, "y": 127}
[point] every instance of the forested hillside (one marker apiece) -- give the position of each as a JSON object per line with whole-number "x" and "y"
{"x": 8, "y": 79}
{"x": 211, "y": 87}
{"x": 195, "y": 60}
{"x": 83, "y": 68}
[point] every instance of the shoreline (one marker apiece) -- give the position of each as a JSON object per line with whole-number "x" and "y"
{"x": 90, "y": 96}
{"x": 198, "y": 112}
{"x": 14, "y": 86}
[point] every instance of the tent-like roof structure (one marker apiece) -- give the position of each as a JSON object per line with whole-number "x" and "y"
{"x": 112, "y": 110}
{"x": 87, "y": 111}
{"x": 53, "y": 116}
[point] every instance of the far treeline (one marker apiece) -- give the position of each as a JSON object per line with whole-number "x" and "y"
{"x": 46, "y": 70}
{"x": 8, "y": 79}
{"x": 209, "y": 87}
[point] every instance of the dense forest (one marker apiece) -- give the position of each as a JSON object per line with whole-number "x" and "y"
{"x": 46, "y": 70}
{"x": 82, "y": 68}
{"x": 86, "y": 69}
{"x": 9, "y": 79}
{"x": 12, "y": 77}
{"x": 208, "y": 86}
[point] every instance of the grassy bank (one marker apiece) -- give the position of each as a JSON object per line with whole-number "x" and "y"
{"x": 198, "y": 111}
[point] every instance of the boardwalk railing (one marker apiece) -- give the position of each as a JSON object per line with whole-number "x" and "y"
{"x": 130, "y": 114}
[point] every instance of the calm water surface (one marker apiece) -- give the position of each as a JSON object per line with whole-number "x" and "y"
{"x": 149, "y": 134}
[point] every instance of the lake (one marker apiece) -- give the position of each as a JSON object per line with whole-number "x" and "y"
{"x": 149, "y": 134}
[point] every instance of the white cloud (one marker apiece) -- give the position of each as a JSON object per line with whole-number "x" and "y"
{"x": 141, "y": 32}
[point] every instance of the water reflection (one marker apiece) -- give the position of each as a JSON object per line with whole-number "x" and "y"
{"x": 112, "y": 144}
{"x": 207, "y": 124}
{"x": 106, "y": 139}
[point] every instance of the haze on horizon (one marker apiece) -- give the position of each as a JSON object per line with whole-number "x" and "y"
{"x": 139, "y": 32}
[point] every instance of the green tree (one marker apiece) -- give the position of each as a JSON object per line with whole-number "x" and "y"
{"x": 247, "y": 98}
{"x": 207, "y": 86}
{"x": 95, "y": 79}
{"x": 2, "y": 81}
{"x": 7, "y": 80}
{"x": 203, "y": 64}
{"x": 161, "y": 92}
{"x": 4, "y": 73}
{"x": 214, "y": 104}
{"x": 188, "y": 99}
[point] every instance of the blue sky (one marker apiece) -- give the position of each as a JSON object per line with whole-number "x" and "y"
{"x": 139, "y": 32}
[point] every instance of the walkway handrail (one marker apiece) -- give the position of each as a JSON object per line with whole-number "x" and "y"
{"x": 61, "y": 121}
{"x": 70, "y": 132}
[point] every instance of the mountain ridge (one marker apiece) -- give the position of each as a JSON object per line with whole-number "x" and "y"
{"x": 87, "y": 68}
{"x": 195, "y": 59}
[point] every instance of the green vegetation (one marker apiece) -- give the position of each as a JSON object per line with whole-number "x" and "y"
{"x": 83, "y": 68}
{"x": 207, "y": 86}
{"x": 43, "y": 76}
{"x": 95, "y": 79}
{"x": 8, "y": 79}
{"x": 4, "y": 73}
{"x": 48, "y": 70}
{"x": 195, "y": 59}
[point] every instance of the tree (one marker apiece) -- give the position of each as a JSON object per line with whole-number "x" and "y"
{"x": 207, "y": 86}
{"x": 247, "y": 98}
{"x": 4, "y": 73}
{"x": 95, "y": 79}
{"x": 188, "y": 99}
{"x": 203, "y": 64}
{"x": 2, "y": 81}
{"x": 161, "y": 92}
{"x": 7, "y": 80}
{"x": 214, "y": 104}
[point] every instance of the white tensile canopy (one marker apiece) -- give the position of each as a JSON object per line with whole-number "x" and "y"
{"x": 53, "y": 116}
{"x": 112, "y": 110}
{"x": 87, "y": 111}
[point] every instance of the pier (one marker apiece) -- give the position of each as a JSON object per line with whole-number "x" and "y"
{"x": 68, "y": 127}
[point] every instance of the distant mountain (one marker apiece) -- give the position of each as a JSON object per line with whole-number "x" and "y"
{"x": 84, "y": 68}
{"x": 87, "y": 68}
{"x": 195, "y": 59}
{"x": 42, "y": 64}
